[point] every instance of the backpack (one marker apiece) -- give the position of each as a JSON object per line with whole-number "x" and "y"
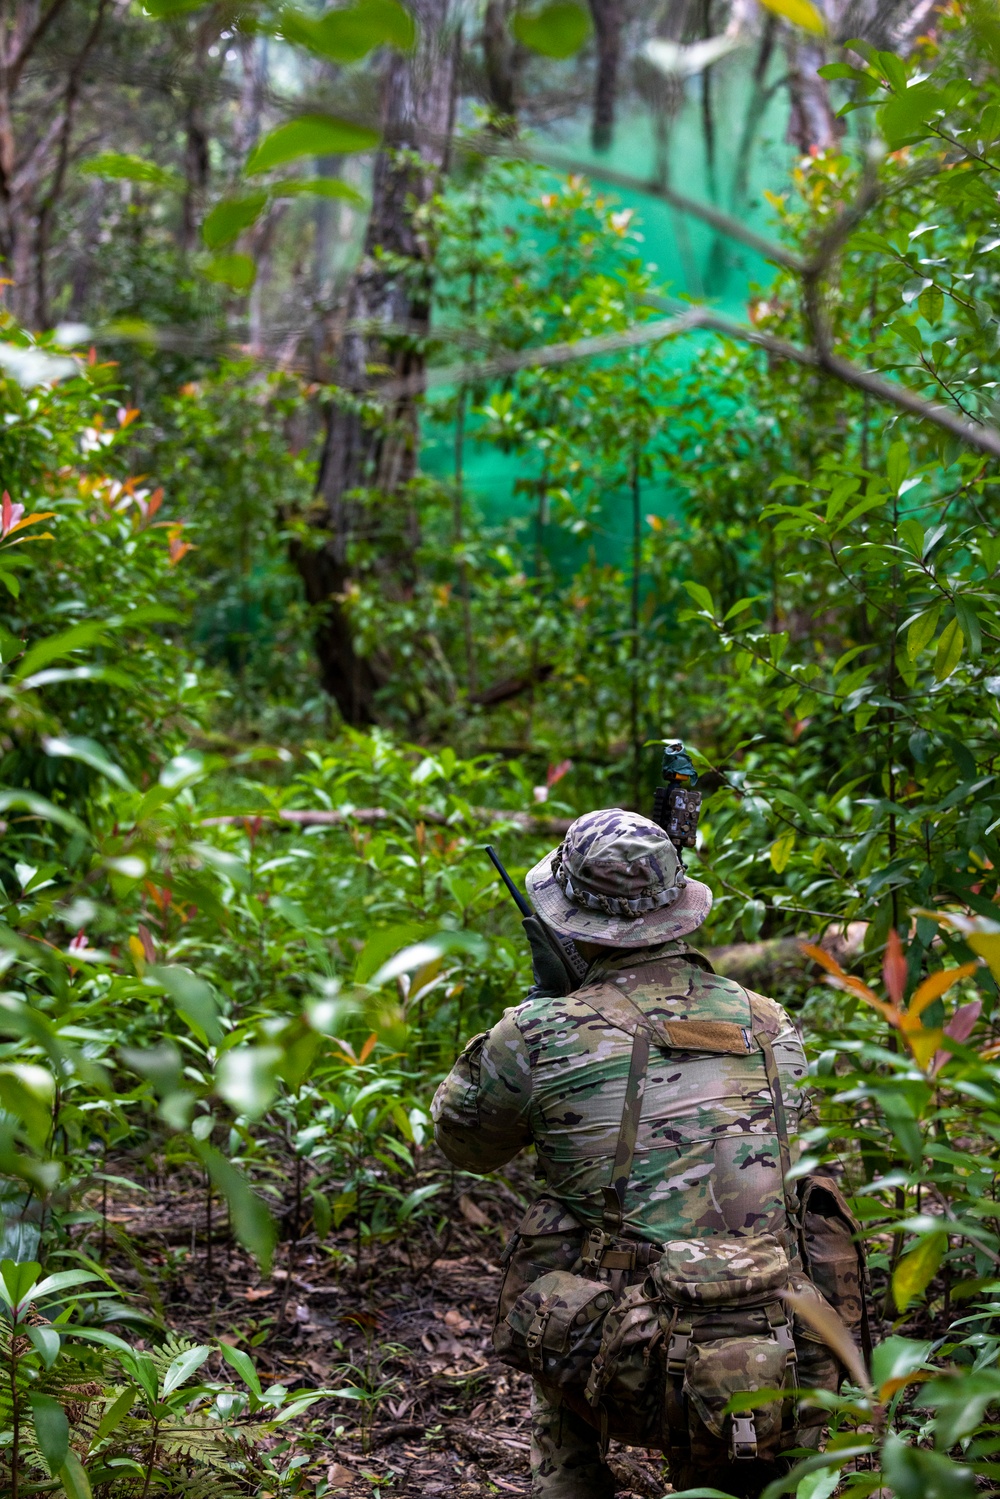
{"x": 650, "y": 1342}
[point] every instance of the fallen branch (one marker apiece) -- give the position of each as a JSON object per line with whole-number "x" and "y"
{"x": 528, "y": 822}
{"x": 502, "y": 692}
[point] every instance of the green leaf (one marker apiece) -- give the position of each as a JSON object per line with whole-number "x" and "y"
{"x": 115, "y": 166}
{"x": 247, "y": 1078}
{"x": 968, "y": 619}
{"x": 959, "y": 1402}
{"x": 799, "y": 12}
{"x": 142, "y": 1369}
{"x": 322, "y": 1214}
{"x": 896, "y": 1358}
{"x": 781, "y": 852}
{"x": 62, "y": 1280}
{"x": 701, "y": 596}
{"x": 244, "y": 1366}
{"x": 229, "y": 218}
{"x": 348, "y": 33}
{"x": 77, "y": 638}
{"x": 116, "y": 1413}
{"x": 916, "y": 1473}
{"x": 162, "y": 10}
{"x": 237, "y": 271}
{"x": 897, "y": 466}
{"x": 310, "y": 135}
{"x": 88, "y": 752}
{"x": 557, "y": 30}
{"x": 27, "y": 1091}
{"x": 319, "y": 187}
{"x": 51, "y": 1430}
{"x": 917, "y": 1269}
{"x": 47, "y": 1343}
{"x": 252, "y": 1223}
{"x": 73, "y": 1477}
{"x": 17, "y": 1279}
{"x": 949, "y": 651}
{"x": 893, "y": 68}
{"x": 193, "y": 998}
{"x": 922, "y": 631}
{"x": 903, "y": 119}
{"x": 931, "y": 304}
{"x": 181, "y": 1368}
{"x": 911, "y": 534}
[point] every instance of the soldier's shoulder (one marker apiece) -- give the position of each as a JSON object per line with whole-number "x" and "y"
{"x": 770, "y": 1014}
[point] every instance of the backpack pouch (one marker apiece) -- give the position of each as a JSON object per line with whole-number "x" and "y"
{"x": 547, "y": 1238}
{"x": 717, "y": 1271}
{"x": 553, "y": 1330}
{"x": 718, "y": 1370}
{"x": 829, "y": 1248}
{"x": 625, "y": 1378}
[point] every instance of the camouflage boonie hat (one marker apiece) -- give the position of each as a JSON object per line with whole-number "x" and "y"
{"x": 616, "y": 880}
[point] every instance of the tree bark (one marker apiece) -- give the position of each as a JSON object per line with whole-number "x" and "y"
{"x": 380, "y": 454}
{"x": 500, "y": 59}
{"x": 609, "y": 17}
{"x": 812, "y": 123}
{"x": 35, "y": 138}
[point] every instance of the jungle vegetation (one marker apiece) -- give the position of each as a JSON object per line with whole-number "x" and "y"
{"x": 279, "y": 281}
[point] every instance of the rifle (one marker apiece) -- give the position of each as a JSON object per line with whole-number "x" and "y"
{"x": 566, "y": 947}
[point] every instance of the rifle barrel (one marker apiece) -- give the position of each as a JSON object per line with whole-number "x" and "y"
{"x": 516, "y": 896}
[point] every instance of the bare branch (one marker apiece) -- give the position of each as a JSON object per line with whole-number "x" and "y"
{"x": 724, "y": 222}
{"x": 529, "y": 822}
{"x": 973, "y": 434}
{"x": 32, "y": 40}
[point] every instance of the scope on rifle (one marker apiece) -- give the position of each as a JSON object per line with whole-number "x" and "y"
{"x": 676, "y": 804}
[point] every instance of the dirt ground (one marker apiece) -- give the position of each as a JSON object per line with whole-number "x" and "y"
{"x": 443, "y": 1416}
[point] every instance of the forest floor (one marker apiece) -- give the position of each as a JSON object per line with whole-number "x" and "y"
{"x": 442, "y": 1415}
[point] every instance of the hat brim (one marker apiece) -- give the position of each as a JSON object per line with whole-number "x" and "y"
{"x": 685, "y": 915}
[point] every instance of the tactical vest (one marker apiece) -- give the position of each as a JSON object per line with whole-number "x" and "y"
{"x": 650, "y": 1342}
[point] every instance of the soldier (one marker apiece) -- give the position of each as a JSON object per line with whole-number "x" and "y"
{"x": 707, "y": 1156}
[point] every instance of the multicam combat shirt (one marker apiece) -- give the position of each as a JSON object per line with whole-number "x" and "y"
{"x": 552, "y": 1073}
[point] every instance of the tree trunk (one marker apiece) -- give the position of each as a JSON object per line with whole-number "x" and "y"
{"x": 34, "y": 147}
{"x": 500, "y": 59}
{"x": 609, "y": 16}
{"x": 812, "y": 122}
{"x": 381, "y": 454}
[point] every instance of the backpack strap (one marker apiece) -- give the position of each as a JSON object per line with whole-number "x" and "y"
{"x": 763, "y": 1031}
{"x": 618, "y": 1010}
{"x": 614, "y": 1195}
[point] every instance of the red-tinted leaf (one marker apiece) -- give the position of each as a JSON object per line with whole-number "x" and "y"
{"x": 894, "y": 969}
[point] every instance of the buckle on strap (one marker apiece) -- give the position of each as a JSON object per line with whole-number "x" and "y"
{"x": 536, "y": 1330}
{"x": 785, "y": 1338}
{"x": 744, "y": 1439}
{"x": 678, "y": 1348}
{"x": 594, "y": 1245}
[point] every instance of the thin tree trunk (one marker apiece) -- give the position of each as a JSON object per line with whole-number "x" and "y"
{"x": 609, "y": 16}
{"x": 358, "y": 452}
{"x": 812, "y": 122}
{"x": 501, "y": 59}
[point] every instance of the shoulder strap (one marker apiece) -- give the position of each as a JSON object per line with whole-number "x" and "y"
{"x": 614, "y": 1196}
{"x": 762, "y": 1035}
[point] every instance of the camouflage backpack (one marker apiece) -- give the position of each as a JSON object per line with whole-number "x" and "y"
{"x": 650, "y": 1342}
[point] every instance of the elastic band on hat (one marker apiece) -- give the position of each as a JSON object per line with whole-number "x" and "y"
{"x": 652, "y": 898}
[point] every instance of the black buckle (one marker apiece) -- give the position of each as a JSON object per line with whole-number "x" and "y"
{"x": 744, "y": 1439}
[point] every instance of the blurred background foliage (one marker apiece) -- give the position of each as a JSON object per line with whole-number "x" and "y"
{"x": 407, "y": 416}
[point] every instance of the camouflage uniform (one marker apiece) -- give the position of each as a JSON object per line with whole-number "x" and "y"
{"x": 553, "y": 1071}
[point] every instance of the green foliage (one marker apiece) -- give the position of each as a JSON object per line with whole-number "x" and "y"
{"x": 557, "y": 30}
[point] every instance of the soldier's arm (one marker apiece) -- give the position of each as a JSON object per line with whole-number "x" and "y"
{"x": 481, "y": 1110}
